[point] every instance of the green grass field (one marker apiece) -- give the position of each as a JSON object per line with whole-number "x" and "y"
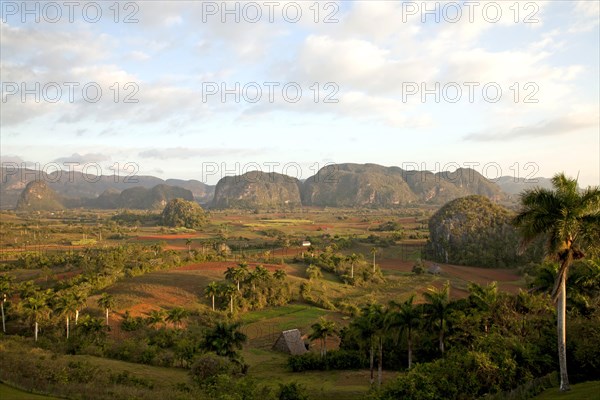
{"x": 270, "y": 368}
{"x": 580, "y": 391}
{"x": 11, "y": 393}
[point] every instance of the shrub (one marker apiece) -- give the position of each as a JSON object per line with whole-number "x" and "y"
{"x": 292, "y": 391}
{"x": 208, "y": 366}
{"x": 334, "y": 360}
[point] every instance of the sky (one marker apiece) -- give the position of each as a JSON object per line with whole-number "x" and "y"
{"x": 202, "y": 89}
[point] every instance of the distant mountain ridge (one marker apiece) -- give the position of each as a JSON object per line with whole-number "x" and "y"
{"x": 38, "y": 196}
{"x": 337, "y": 185}
{"x": 513, "y": 186}
{"x": 77, "y": 186}
{"x": 353, "y": 185}
{"x": 141, "y": 198}
{"x": 257, "y": 189}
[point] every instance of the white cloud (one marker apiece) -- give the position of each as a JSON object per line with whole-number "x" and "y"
{"x": 139, "y": 56}
{"x": 581, "y": 119}
{"x": 587, "y": 16}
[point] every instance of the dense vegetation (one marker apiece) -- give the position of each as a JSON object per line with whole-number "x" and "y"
{"x": 181, "y": 213}
{"x": 474, "y": 231}
{"x": 192, "y": 310}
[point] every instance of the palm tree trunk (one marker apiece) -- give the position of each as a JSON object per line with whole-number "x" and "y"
{"x": 371, "y": 363}
{"x": 213, "y": 302}
{"x": 373, "y": 262}
{"x": 107, "y": 317}
{"x": 352, "y": 270}
{"x": 409, "y": 349}
{"x": 561, "y": 327}
{"x": 36, "y": 331}
{"x": 67, "y": 326}
{"x": 380, "y": 363}
{"x": 3, "y": 323}
{"x": 231, "y": 304}
{"x": 76, "y": 316}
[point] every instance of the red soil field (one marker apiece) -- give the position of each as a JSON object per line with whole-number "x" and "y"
{"x": 507, "y": 279}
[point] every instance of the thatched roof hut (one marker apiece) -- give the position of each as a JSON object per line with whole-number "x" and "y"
{"x": 290, "y": 342}
{"x": 434, "y": 269}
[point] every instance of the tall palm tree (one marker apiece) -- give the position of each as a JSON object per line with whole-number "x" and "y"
{"x": 320, "y": 331}
{"x": 224, "y": 339}
{"x": 66, "y": 305}
{"x": 406, "y": 318}
{"x": 373, "y": 251}
{"x": 36, "y": 306}
{"x": 212, "y": 290}
{"x": 176, "y": 315}
{"x": 107, "y": 302}
{"x": 80, "y": 295}
{"x": 229, "y": 292}
{"x": 352, "y": 259}
{"x": 437, "y": 309}
{"x": 368, "y": 328}
{"x": 237, "y": 274}
{"x": 5, "y": 288}
{"x": 569, "y": 220}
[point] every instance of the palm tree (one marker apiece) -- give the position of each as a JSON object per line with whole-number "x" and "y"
{"x": 80, "y": 295}
{"x": 320, "y": 331}
{"x": 313, "y": 272}
{"x": 107, "y": 302}
{"x": 262, "y": 274}
{"x": 157, "y": 248}
{"x": 224, "y": 339}
{"x": 373, "y": 251}
{"x": 406, "y": 318}
{"x": 280, "y": 275}
{"x": 5, "y": 287}
{"x": 176, "y": 315}
{"x": 569, "y": 220}
{"x": 437, "y": 308}
{"x": 211, "y": 291}
{"x": 155, "y": 317}
{"x": 483, "y": 298}
{"x": 229, "y": 291}
{"x": 27, "y": 289}
{"x": 66, "y": 305}
{"x": 37, "y": 307}
{"x": 368, "y": 327}
{"x": 237, "y": 275}
{"x": 352, "y": 259}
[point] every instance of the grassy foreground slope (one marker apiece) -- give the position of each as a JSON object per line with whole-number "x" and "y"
{"x": 580, "y": 391}
{"x": 11, "y": 393}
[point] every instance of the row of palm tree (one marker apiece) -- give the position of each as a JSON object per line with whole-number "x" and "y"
{"x": 237, "y": 276}
{"x": 38, "y": 304}
{"x": 376, "y": 323}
